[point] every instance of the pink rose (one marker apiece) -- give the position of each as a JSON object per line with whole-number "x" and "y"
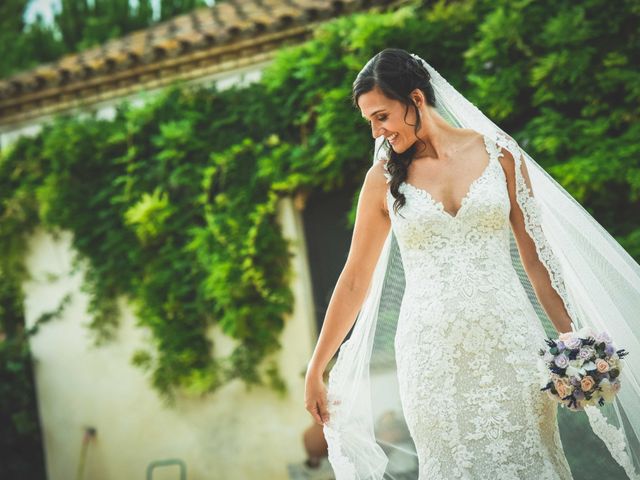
{"x": 563, "y": 387}
{"x": 565, "y": 336}
{"x": 587, "y": 383}
{"x": 602, "y": 365}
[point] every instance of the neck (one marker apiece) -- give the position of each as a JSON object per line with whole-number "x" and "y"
{"x": 436, "y": 133}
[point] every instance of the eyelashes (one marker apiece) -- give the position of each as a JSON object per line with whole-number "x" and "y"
{"x": 380, "y": 119}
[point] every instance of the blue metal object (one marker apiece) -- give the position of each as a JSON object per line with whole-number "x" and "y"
{"x": 166, "y": 463}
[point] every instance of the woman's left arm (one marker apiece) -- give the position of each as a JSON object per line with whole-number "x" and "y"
{"x": 536, "y": 271}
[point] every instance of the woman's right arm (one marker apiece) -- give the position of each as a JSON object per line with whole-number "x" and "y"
{"x": 369, "y": 234}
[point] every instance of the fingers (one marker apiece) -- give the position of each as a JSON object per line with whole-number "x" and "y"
{"x": 324, "y": 413}
{"x": 319, "y": 412}
{"x": 315, "y": 413}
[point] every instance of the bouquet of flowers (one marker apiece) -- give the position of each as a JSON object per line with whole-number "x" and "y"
{"x": 580, "y": 368}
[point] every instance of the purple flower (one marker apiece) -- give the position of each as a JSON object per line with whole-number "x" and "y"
{"x": 560, "y": 345}
{"x": 586, "y": 352}
{"x": 609, "y": 349}
{"x": 603, "y": 337}
{"x": 562, "y": 361}
{"x": 573, "y": 342}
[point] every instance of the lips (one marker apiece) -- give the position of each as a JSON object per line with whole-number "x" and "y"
{"x": 392, "y": 138}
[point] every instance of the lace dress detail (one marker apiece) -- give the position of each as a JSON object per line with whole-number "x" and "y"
{"x": 467, "y": 340}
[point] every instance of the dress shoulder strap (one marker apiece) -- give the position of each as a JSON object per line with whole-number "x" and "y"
{"x": 387, "y": 175}
{"x": 492, "y": 148}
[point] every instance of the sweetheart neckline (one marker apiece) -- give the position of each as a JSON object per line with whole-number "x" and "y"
{"x": 438, "y": 204}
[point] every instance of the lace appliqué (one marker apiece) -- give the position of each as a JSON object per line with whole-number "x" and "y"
{"x": 387, "y": 175}
{"x": 464, "y": 312}
{"x": 614, "y": 439}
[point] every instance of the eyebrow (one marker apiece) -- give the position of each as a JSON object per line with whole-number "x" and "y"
{"x": 377, "y": 111}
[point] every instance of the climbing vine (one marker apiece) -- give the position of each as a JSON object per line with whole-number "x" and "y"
{"x": 174, "y": 204}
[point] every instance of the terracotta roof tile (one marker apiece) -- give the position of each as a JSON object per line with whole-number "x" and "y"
{"x": 210, "y": 27}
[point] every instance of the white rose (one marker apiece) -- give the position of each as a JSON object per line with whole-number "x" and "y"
{"x": 585, "y": 332}
{"x": 565, "y": 336}
{"x": 573, "y": 371}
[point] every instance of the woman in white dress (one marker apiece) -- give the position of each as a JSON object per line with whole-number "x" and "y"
{"x": 467, "y": 336}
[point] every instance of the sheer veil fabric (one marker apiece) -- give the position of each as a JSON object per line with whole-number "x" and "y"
{"x": 598, "y": 281}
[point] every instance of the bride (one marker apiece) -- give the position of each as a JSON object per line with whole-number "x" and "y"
{"x": 449, "y": 281}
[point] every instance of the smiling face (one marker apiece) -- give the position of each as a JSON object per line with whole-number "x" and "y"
{"x": 390, "y": 117}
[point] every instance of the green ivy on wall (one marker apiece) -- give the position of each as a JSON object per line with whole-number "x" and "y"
{"x": 173, "y": 204}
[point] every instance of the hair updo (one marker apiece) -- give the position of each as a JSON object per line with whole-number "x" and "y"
{"x": 396, "y": 73}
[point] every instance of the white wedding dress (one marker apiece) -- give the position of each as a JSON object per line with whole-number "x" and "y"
{"x": 467, "y": 341}
{"x": 438, "y": 379}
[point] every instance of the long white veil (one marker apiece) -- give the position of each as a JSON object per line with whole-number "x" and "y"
{"x": 596, "y": 278}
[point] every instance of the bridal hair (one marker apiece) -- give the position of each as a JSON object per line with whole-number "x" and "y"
{"x": 396, "y": 73}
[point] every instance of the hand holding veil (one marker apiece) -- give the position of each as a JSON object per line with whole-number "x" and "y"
{"x": 598, "y": 281}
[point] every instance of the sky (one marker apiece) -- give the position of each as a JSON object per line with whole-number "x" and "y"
{"x": 43, "y": 7}
{"x": 47, "y": 7}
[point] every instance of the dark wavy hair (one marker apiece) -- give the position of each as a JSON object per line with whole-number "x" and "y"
{"x": 396, "y": 73}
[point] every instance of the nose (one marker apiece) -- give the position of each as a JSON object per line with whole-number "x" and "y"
{"x": 374, "y": 130}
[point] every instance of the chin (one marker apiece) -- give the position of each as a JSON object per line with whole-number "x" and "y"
{"x": 396, "y": 149}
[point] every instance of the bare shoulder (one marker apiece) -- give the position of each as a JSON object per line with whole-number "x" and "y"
{"x": 507, "y": 161}
{"x": 378, "y": 172}
{"x": 470, "y": 141}
{"x": 376, "y": 182}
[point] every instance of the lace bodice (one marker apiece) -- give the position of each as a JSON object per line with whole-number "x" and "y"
{"x": 436, "y": 245}
{"x": 465, "y": 313}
